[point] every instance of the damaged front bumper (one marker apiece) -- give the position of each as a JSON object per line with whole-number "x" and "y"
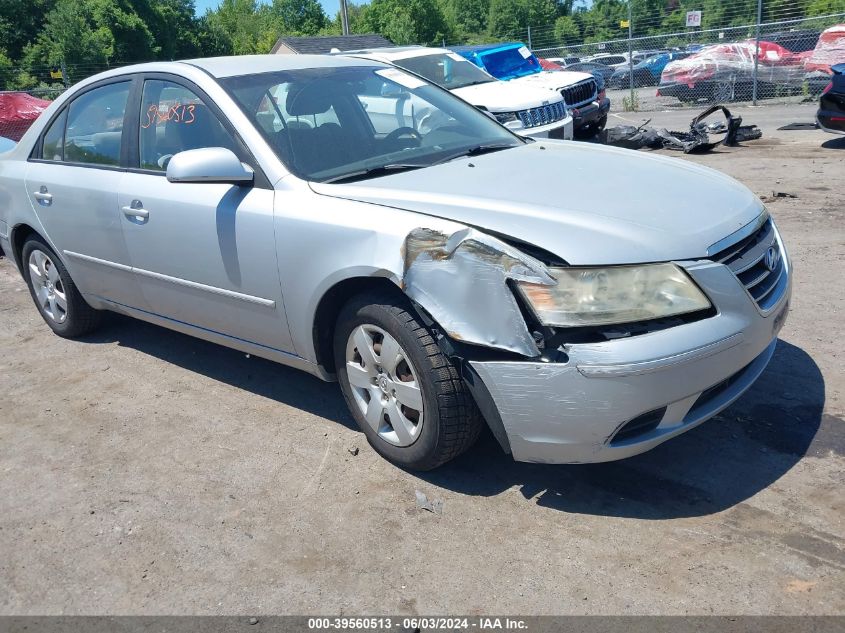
{"x": 619, "y": 398}
{"x": 590, "y": 114}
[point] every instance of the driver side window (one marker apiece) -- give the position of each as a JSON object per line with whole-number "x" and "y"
{"x": 174, "y": 119}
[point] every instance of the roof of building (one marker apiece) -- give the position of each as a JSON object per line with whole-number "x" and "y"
{"x": 325, "y": 44}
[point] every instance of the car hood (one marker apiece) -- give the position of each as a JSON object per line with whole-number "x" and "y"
{"x": 561, "y": 197}
{"x": 503, "y": 96}
{"x": 556, "y": 80}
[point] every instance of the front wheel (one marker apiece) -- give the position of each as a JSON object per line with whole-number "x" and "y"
{"x": 54, "y": 293}
{"x": 590, "y": 130}
{"x": 405, "y": 394}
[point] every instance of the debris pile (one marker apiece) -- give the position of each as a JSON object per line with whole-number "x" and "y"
{"x": 695, "y": 141}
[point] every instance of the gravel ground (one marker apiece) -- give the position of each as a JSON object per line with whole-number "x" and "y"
{"x": 647, "y": 100}
{"x": 146, "y": 472}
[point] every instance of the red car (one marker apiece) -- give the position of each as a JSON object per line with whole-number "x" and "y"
{"x": 725, "y": 72}
{"x": 18, "y": 110}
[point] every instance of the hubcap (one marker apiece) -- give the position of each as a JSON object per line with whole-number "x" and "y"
{"x": 48, "y": 286}
{"x": 724, "y": 91}
{"x": 384, "y": 385}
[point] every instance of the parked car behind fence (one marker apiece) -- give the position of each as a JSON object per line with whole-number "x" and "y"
{"x": 18, "y": 111}
{"x": 726, "y": 72}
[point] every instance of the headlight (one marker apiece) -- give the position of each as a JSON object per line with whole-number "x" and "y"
{"x": 505, "y": 117}
{"x": 618, "y": 294}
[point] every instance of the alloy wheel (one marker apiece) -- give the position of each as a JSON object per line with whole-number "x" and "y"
{"x": 48, "y": 286}
{"x": 724, "y": 91}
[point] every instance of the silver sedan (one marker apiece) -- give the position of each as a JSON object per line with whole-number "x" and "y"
{"x": 444, "y": 270}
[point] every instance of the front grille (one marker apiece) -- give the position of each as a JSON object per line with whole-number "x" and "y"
{"x": 580, "y": 94}
{"x": 759, "y": 264}
{"x": 543, "y": 115}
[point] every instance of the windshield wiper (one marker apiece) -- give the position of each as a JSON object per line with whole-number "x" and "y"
{"x": 374, "y": 172}
{"x": 478, "y": 150}
{"x": 477, "y": 82}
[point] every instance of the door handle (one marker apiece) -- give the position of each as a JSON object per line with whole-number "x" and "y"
{"x": 136, "y": 210}
{"x": 44, "y": 198}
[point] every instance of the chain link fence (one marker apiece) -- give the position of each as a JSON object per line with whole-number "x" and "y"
{"x": 690, "y": 68}
{"x": 647, "y": 61}
{"x": 26, "y": 90}
{"x": 658, "y": 63}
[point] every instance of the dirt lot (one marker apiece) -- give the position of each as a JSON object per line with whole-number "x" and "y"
{"x": 147, "y": 472}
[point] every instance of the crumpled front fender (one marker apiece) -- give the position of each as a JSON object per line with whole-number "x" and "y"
{"x": 462, "y": 281}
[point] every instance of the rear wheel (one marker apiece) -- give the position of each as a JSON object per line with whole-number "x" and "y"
{"x": 724, "y": 91}
{"x": 54, "y": 293}
{"x": 404, "y": 393}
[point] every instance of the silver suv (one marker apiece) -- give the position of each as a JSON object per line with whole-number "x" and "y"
{"x": 444, "y": 270}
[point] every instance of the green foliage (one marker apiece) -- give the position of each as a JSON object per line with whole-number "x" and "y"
{"x": 825, "y": 7}
{"x": 567, "y": 30}
{"x": 467, "y": 16}
{"x": 86, "y": 36}
{"x": 20, "y": 23}
{"x": 631, "y": 103}
{"x": 301, "y": 17}
{"x": 511, "y": 18}
{"x": 244, "y": 22}
{"x": 404, "y": 21}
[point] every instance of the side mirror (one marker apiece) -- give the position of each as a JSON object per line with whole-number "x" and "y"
{"x": 209, "y": 164}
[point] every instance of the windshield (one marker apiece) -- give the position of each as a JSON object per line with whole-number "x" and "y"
{"x": 653, "y": 61}
{"x": 449, "y": 70}
{"x": 330, "y": 124}
{"x": 511, "y": 62}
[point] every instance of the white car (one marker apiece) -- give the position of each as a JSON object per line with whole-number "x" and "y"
{"x": 514, "y": 63}
{"x": 527, "y": 110}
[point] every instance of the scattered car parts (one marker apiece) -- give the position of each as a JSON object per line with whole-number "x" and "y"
{"x": 697, "y": 140}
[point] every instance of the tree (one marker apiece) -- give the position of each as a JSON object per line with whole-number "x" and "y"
{"x": 175, "y": 28}
{"x": 511, "y": 18}
{"x": 300, "y": 17}
{"x": 20, "y": 23}
{"x": 567, "y": 30}
{"x": 468, "y": 16}
{"x": 404, "y": 21}
{"x": 131, "y": 38}
{"x": 244, "y": 23}
{"x": 825, "y": 7}
{"x": 70, "y": 36}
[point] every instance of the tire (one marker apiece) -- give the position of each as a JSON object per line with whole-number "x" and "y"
{"x": 599, "y": 125}
{"x": 54, "y": 293}
{"x": 723, "y": 91}
{"x": 449, "y": 422}
{"x": 591, "y": 129}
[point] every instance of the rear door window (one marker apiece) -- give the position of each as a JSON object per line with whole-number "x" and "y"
{"x": 95, "y": 126}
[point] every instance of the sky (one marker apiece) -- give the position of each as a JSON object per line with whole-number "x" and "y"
{"x": 331, "y": 7}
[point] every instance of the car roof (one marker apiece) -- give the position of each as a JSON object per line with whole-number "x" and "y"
{"x": 233, "y": 66}
{"x": 395, "y": 53}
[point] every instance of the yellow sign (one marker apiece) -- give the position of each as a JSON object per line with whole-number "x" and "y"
{"x": 56, "y": 74}
{"x": 624, "y": 24}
